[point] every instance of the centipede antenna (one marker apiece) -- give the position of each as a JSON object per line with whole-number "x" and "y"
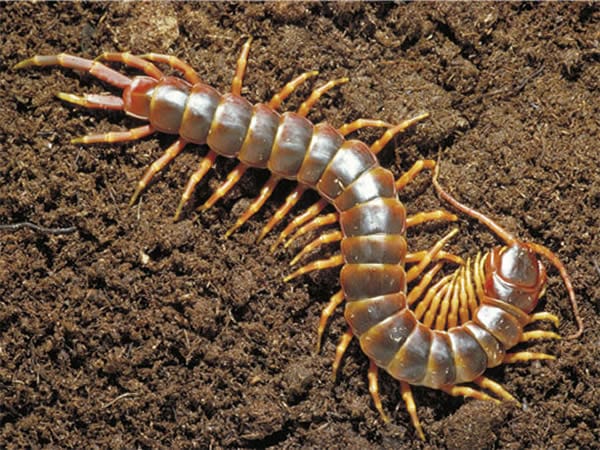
{"x": 550, "y": 256}
{"x": 482, "y": 218}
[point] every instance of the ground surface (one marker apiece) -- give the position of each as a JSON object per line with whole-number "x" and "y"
{"x": 135, "y": 331}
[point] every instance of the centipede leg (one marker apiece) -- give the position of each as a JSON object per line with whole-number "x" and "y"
{"x": 380, "y": 143}
{"x": 94, "y": 101}
{"x": 373, "y": 376}
{"x": 411, "y": 407}
{"x": 317, "y": 93}
{"x": 290, "y": 87}
{"x": 511, "y": 358}
{"x": 413, "y": 172}
{"x": 539, "y": 334}
{"x": 348, "y": 128}
{"x": 317, "y": 222}
{"x": 465, "y": 391}
{"x": 340, "y": 350}
{"x": 175, "y": 63}
{"x": 321, "y": 264}
{"x": 496, "y": 388}
{"x": 232, "y": 178}
{"x": 203, "y": 167}
{"x": 169, "y": 154}
{"x": 282, "y": 211}
{"x": 132, "y": 61}
{"x": 543, "y": 315}
{"x": 258, "y": 203}
{"x": 336, "y": 300}
{"x": 416, "y": 270}
{"x": 325, "y": 238}
{"x": 418, "y": 290}
{"x": 236, "y": 84}
{"x": 94, "y": 68}
{"x": 115, "y": 136}
{"x": 430, "y": 216}
{"x": 442, "y": 255}
{"x": 307, "y": 215}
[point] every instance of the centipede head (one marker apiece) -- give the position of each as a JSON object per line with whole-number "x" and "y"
{"x": 516, "y": 275}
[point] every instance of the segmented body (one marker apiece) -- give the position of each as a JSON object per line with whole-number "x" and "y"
{"x": 489, "y": 303}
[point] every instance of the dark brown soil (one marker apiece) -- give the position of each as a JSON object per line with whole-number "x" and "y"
{"x": 138, "y": 332}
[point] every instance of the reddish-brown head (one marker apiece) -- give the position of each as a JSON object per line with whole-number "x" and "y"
{"x": 515, "y": 275}
{"x": 137, "y": 97}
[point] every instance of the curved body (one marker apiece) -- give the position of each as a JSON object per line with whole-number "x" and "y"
{"x": 481, "y": 309}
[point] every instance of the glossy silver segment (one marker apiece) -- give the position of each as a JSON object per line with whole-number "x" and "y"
{"x": 352, "y": 159}
{"x": 410, "y": 362}
{"x": 325, "y": 143}
{"x": 440, "y": 366}
{"x": 502, "y": 325}
{"x": 493, "y": 349}
{"x": 512, "y": 294}
{"x": 291, "y": 144}
{"x": 380, "y": 215}
{"x": 168, "y": 102}
{"x": 199, "y": 113}
{"x": 374, "y": 249}
{"x": 469, "y": 358}
{"x": 230, "y": 125}
{"x": 519, "y": 265}
{"x": 361, "y": 315}
{"x": 256, "y": 149}
{"x": 381, "y": 342}
{"x": 361, "y": 281}
{"x": 375, "y": 182}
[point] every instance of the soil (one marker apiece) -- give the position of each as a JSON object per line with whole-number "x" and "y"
{"x": 136, "y": 331}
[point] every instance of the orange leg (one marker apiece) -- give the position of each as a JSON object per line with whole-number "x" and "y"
{"x": 94, "y": 68}
{"x": 440, "y": 322}
{"x": 207, "y": 162}
{"x": 321, "y": 264}
{"x": 282, "y": 211}
{"x": 232, "y": 178}
{"x": 317, "y": 93}
{"x": 290, "y": 87}
{"x": 325, "y": 238}
{"x": 373, "y": 377}
{"x": 94, "y": 101}
{"x": 466, "y": 391}
{"x": 416, "y": 270}
{"x": 418, "y": 290}
{"x": 539, "y": 334}
{"x": 307, "y": 215}
{"x": 494, "y": 387}
{"x": 175, "y": 63}
{"x": 348, "y": 128}
{"x": 442, "y": 255}
{"x": 409, "y": 401}
{"x": 336, "y": 300}
{"x": 545, "y": 316}
{"x": 511, "y": 358}
{"x": 413, "y": 172}
{"x": 258, "y": 203}
{"x": 133, "y": 61}
{"x": 236, "y": 84}
{"x": 430, "y": 216}
{"x": 115, "y": 136}
{"x": 430, "y": 304}
{"x": 340, "y": 350}
{"x": 169, "y": 154}
{"x": 380, "y": 143}
{"x": 317, "y": 222}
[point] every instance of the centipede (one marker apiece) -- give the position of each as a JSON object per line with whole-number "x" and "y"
{"x": 442, "y": 333}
